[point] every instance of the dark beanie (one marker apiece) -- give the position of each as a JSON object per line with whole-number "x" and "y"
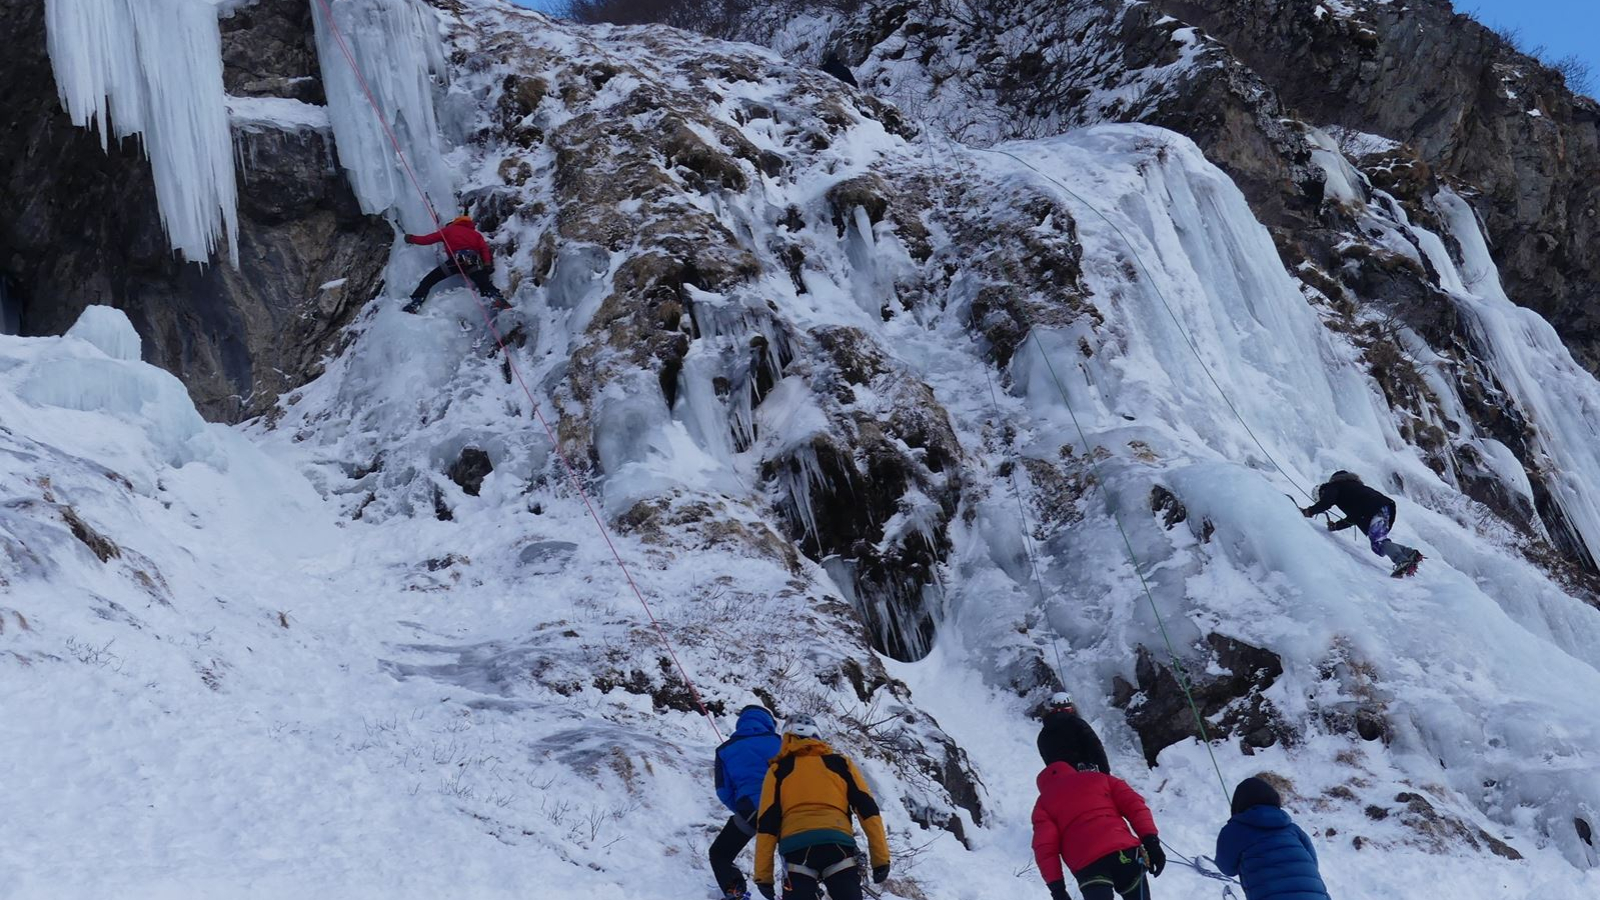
{"x": 1254, "y": 792}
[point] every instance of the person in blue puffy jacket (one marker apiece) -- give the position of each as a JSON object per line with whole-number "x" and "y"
{"x": 741, "y": 768}
{"x": 1271, "y": 855}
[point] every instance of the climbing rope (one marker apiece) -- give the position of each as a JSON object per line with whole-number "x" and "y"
{"x": 1178, "y": 669}
{"x": 1139, "y": 261}
{"x": 1027, "y": 536}
{"x": 572, "y": 472}
{"x": 1197, "y": 863}
{"x": 1180, "y": 673}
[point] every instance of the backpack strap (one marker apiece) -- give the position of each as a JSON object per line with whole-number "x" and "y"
{"x": 771, "y": 818}
{"x": 860, "y": 801}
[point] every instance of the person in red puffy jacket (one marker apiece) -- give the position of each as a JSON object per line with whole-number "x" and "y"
{"x": 465, "y": 252}
{"x": 1084, "y": 818}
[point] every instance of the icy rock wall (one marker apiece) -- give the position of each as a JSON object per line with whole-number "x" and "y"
{"x": 1559, "y": 396}
{"x": 1244, "y": 565}
{"x": 397, "y": 49}
{"x": 1216, "y": 292}
{"x": 153, "y": 68}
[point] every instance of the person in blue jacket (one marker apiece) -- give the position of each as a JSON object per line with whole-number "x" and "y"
{"x": 741, "y": 768}
{"x": 1271, "y": 855}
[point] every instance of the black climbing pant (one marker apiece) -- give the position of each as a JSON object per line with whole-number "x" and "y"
{"x": 483, "y": 278}
{"x": 844, "y": 884}
{"x": 726, "y": 848}
{"x": 1113, "y": 874}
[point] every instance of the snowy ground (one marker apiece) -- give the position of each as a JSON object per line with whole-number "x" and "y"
{"x": 227, "y": 683}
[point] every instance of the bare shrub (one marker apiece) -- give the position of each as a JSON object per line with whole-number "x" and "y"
{"x": 1576, "y": 72}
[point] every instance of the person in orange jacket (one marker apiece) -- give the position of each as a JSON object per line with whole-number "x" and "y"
{"x": 806, "y": 802}
{"x": 467, "y": 253}
{"x": 1083, "y": 817}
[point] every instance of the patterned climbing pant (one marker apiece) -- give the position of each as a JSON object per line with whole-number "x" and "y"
{"x": 1378, "y": 534}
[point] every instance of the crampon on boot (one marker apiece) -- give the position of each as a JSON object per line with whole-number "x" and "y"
{"x": 1407, "y": 568}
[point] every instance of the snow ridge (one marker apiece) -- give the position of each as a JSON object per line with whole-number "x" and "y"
{"x": 154, "y": 68}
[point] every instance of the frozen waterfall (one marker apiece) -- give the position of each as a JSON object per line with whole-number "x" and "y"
{"x": 153, "y": 68}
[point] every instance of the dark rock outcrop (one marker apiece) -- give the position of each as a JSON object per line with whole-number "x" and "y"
{"x": 1233, "y": 704}
{"x": 469, "y": 470}
{"x": 79, "y": 226}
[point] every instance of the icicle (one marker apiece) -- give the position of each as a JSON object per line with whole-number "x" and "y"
{"x": 1558, "y": 396}
{"x": 154, "y": 68}
{"x": 396, "y": 45}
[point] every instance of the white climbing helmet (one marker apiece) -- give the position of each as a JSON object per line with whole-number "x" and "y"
{"x": 803, "y": 726}
{"x": 1062, "y": 701}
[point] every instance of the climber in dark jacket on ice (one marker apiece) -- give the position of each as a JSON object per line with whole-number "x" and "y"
{"x": 1066, "y": 737}
{"x": 741, "y": 768}
{"x": 1371, "y": 511}
{"x": 465, "y": 252}
{"x": 1271, "y": 855}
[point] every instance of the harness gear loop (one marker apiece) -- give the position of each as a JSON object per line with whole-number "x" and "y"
{"x": 798, "y": 869}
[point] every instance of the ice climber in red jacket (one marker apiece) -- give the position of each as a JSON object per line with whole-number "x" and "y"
{"x": 465, "y": 252}
{"x": 1083, "y": 818}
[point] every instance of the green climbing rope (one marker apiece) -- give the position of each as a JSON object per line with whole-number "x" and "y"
{"x": 1143, "y": 270}
{"x": 1179, "y": 671}
{"x": 1133, "y": 557}
{"x": 1027, "y": 536}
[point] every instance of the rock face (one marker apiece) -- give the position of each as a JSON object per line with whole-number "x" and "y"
{"x": 1251, "y": 83}
{"x": 79, "y": 226}
{"x": 1229, "y": 696}
{"x": 1459, "y": 95}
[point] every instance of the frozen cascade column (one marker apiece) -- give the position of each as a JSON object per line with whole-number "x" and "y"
{"x": 1557, "y": 395}
{"x": 154, "y": 68}
{"x": 397, "y": 47}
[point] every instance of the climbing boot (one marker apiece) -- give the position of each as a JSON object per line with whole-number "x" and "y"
{"x": 1408, "y": 567}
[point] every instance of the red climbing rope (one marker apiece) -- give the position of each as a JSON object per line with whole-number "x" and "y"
{"x": 572, "y": 473}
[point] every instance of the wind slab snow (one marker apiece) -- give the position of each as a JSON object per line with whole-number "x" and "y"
{"x": 301, "y": 681}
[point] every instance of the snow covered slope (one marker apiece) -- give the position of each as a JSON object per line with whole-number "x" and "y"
{"x": 826, "y": 379}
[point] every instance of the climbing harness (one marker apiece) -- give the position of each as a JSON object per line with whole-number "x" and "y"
{"x": 555, "y": 445}
{"x": 822, "y": 874}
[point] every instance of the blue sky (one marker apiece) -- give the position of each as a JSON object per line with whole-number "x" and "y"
{"x": 1564, "y": 27}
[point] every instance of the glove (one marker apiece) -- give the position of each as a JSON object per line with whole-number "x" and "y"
{"x": 768, "y": 891}
{"x": 880, "y": 874}
{"x": 1333, "y": 526}
{"x": 412, "y": 239}
{"x": 1155, "y": 859}
{"x": 1304, "y": 510}
{"x": 1058, "y": 890}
